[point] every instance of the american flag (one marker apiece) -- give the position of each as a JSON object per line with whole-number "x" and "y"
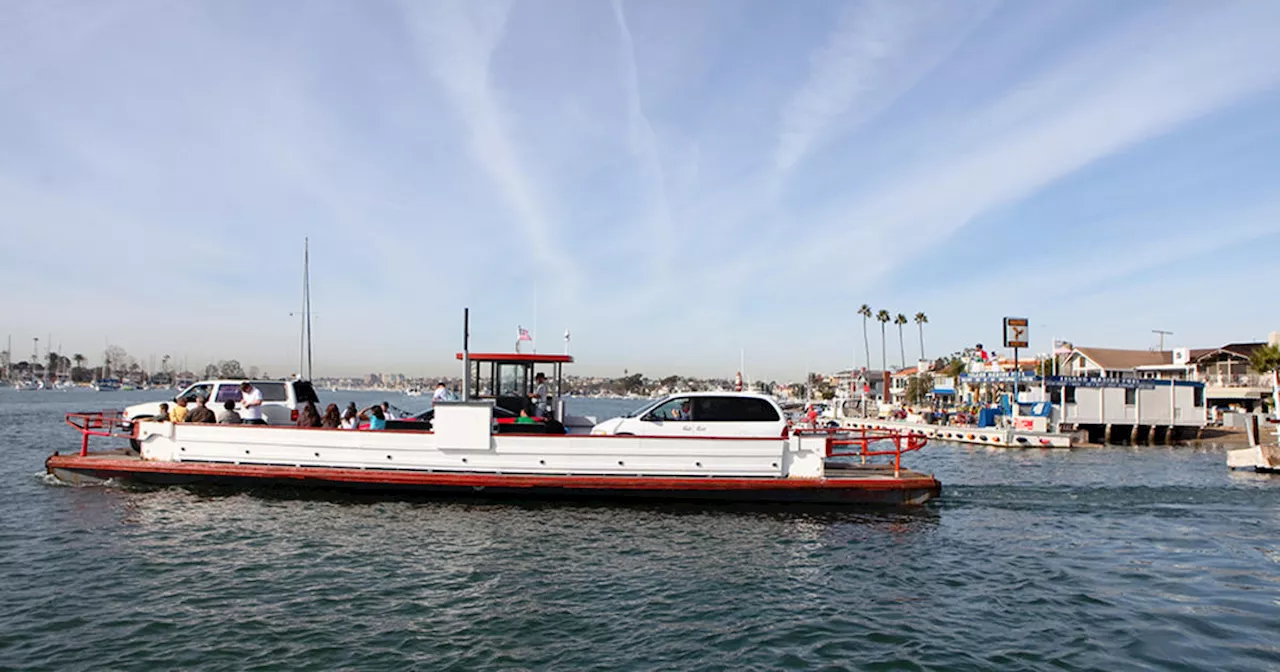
{"x": 522, "y": 334}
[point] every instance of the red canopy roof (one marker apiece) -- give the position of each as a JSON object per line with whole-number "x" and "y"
{"x": 519, "y": 357}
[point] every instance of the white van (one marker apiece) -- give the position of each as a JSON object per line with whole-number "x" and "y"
{"x": 701, "y": 414}
{"x": 281, "y": 399}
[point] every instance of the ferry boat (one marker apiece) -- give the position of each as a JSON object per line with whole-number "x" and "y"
{"x": 502, "y": 446}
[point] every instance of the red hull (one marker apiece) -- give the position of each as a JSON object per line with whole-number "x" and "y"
{"x": 845, "y": 486}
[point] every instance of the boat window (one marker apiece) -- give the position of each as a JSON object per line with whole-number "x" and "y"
{"x": 1197, "y": 396}
{"x": 1069, "y": 394}
{"x": 511, "y": 380}
{"x": 733, "y": 409}
{"x": 227, "y": 393}
{"x": 272, "y": 391}
{"x": 1130, "y": 396}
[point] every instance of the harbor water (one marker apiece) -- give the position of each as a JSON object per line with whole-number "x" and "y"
{"x": 1086, "y": 559}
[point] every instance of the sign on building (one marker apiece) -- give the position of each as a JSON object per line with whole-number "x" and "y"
{"x": 1017, "y": 333}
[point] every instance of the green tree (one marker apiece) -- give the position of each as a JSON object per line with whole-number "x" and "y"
{"x": 921, "y": 320}
{"x": 954, "y": 367}
{"x": 883, "y": 317}
{"x": 1265, "y": 359}
{"x": 865, "y": 312}
{"x": 230, "y": 369}
{"x": 919, "y": 387}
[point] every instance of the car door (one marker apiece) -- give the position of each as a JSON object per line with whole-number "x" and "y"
{"x": 671, "y": 418}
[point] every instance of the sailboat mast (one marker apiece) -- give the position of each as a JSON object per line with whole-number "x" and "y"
{"x": 306, "y": 298}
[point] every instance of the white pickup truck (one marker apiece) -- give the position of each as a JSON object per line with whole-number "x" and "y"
{"x": 281, "y": 399}
{"x": 701, "y": 414}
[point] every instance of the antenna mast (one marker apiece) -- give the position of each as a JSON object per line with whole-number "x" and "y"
{"x": 1162, "y": 333}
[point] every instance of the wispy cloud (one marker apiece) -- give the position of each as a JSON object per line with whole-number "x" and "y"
{"x": 457, "y": 40}
{"x": 644, "y": 144}
{"x": 878, "y": 50}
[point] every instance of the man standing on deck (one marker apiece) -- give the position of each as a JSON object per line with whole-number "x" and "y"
{"x": 251, "y": 403}
{"x": 539, "y": 396}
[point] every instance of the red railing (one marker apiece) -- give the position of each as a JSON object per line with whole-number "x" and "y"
{"x": 101, "y": 423}
{"x": 903, "y": 442}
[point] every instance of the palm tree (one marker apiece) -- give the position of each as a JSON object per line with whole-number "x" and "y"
{"x": 51, "y": 370}
{"x": 902, "y": 349}
{"x": 865, "y": 312}
{"x": 884, "y": 318}
{"x": 921, "y": 320}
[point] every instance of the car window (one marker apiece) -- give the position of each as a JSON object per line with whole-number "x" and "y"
{"x": 733, "y": 409}
{"x": 674, "y": 409}
{"x": 272, "y": 391}
{"x": 304, "y": 391}
{"x": 228, "y": 393}
{"x": 196, "y": 390}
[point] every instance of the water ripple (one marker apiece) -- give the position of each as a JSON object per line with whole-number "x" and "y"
{"x": 1067, "y": 560}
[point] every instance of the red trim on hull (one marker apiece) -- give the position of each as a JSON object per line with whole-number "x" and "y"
{"x": 916, "y": 488}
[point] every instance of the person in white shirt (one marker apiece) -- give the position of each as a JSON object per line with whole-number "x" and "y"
{"x": 386, "y": 411}
{"x": 539, "y": 396}
{"x": 441, "y": 393}
{"x": 251, "y": 405}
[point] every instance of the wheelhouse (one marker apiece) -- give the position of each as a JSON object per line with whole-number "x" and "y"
{"x": 508, "y": 379}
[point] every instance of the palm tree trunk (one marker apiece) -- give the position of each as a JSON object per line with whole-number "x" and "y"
{"x": 921, "y": 325}
{"x": 866, "y": 342}
{"x": 884, "y": 359}
{"x": 902, "y": 349}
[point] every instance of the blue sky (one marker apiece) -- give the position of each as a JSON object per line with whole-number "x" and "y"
{"x": 674, "y": 182}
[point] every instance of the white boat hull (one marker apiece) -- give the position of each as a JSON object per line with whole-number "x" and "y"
{"x": 1001, "y": 438}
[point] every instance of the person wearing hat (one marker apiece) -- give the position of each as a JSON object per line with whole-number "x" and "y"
{"x": 540, "y": 396}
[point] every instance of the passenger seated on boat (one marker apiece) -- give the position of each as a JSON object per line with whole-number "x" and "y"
{"x": 309, "y": 417}
{"x": 179, "y": 412}
{"x": 163, "y": 415}
{"x": 524, "y": 418}
{"x": 331, "y": 418}
{"x": 375, "y": 417}
{"x": 228, "y": 416}
{"x": 351, "y": 418}
{"x": 199, "y": 412}
{"x": 386, "y": 411}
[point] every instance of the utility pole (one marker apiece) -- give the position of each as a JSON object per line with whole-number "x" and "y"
{"x": 1162, "y": 333}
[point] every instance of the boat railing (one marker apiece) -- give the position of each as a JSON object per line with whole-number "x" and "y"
{"x": 110, "y": 424}
{"x": 863, "y": 438}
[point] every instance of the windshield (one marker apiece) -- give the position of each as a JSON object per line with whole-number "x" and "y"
{"x": 646, "y": 408}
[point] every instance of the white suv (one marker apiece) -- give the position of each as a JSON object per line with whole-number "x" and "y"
{"x": 281, "y": 399}
{"x": 701, "y": 414}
